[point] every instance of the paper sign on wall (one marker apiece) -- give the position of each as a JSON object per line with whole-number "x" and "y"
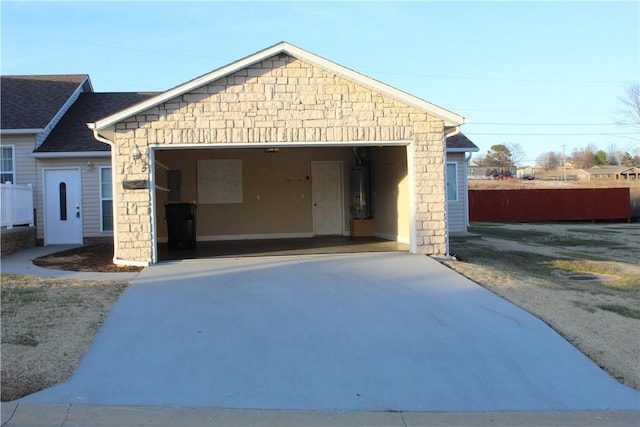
{"x": 219, "y": 181}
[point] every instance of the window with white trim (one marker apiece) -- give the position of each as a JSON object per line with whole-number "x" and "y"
{"x": 106, "y": 199}
{"x": 452, "y": 182}
{"x": 7, "y": 164}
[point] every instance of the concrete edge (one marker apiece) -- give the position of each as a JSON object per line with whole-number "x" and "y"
{"x": 63, "y": 414}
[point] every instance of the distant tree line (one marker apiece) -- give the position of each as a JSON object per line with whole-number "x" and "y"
{"x": 587, "y": 157}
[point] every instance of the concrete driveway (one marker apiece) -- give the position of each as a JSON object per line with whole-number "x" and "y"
{"x": 374, "y": 332}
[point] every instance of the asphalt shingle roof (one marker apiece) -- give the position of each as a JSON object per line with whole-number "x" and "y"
{"x": 30, "y": 102}
{"x": 460, "y": 141}
{"x": 71, "y": 133}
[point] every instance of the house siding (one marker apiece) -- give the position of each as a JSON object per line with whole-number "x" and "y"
{"x": 279, "y": 100}
{"x": 91, "y": 222}
{"x": 456, "y": 210}
{"x": 25, "y": 164}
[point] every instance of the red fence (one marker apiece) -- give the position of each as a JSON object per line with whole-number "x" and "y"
{"x": 576, "y": 204}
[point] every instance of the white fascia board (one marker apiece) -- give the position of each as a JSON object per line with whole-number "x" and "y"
{"x": 20, "y": 131}
{"x": 70, "y": 154}
{"x": 462, "y": 150}
{"x": 263, "y": 145}
{"x": 450, "y": 118}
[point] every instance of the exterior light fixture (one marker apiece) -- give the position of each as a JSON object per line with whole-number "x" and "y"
{"x": 136, "y": 154}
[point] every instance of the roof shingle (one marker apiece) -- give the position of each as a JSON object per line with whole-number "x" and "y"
{"x": 30, "y": 102}
{"x": 71, "y": 134}
{"x": 460, "y": 142}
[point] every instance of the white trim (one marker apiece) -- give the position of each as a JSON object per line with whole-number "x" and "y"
{"x": 70, "y": 154}
{"x": 462, "y": 150}
{"x": 411, "y": 173}
{"x": 100, "y": 138}
{"x": 228, "y": 237}
{"x": 62, "y": 111}
{"x": 101, "y": 199}
{"x": 450, "y": 118}
{"x": 151, "y": 156}
{"x": 262, "y": 145}
{"x": 20, "y": 131}
{"x": 44, "y": 200}
{"x": 13, "y": 162}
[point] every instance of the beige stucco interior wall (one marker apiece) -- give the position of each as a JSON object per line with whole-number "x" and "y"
{"x": 277, "y": 192}
{"x": 390, "y": 187}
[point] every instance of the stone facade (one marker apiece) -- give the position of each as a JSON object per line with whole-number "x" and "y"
{"x": 279, "y": 100}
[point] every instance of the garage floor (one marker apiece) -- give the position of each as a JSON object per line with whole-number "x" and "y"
{"x": 305, "y": 246}
{"x": 363, "y": 332}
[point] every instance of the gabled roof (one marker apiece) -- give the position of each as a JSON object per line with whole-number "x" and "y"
{"x": 459, "y": 143}
{"x": 608, "y": 169}
{"x": 71, "y": 133}
{"x": 31, "y": 102}
{"x": 450, "y": 118}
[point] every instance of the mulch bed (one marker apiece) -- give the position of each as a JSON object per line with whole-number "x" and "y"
{"x": 89, "y": 258}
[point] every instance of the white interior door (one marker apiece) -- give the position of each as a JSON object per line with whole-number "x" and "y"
{"x": 62, "y": 206}
{"x": 327, "y": 189}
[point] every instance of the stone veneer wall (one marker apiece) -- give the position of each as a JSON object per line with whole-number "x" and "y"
{"x": 279, "y": 100}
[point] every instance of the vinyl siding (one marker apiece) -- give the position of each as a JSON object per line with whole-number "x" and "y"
{"x": 25, "y": 164}
{"x": 91, "y": 222}
{"x": 456, "y": 210}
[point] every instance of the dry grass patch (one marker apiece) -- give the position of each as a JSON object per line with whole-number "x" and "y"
{"x": 535, "y": 267}
{"x": 47, "y": 326}
{"x": 613, "y": 274}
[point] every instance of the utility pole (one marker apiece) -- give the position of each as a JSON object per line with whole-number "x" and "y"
{"x": 564, "y": 166}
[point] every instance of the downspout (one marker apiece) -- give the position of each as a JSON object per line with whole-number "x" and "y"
{"x": 446, "y": 201}
{"x": 100, "y": 138}
{"x": 467, "y": 158}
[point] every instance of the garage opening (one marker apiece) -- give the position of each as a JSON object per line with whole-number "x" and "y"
{"x": 283, "y": 200}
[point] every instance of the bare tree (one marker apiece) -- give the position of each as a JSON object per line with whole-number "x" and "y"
{"x": 517, "y": 152}
{"x": 585, "y": 157}
{"x": 549, "y": 160}
{"x": 631, "y": 102}
{"x": 630, "y": 117}
{"x": 614, "y": 156}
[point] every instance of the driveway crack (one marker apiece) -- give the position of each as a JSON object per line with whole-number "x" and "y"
{"x": 66, "y": 416}
{"x": 11, "y": 416}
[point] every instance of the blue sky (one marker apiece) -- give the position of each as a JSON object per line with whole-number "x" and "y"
{"x": 539, "y": 74}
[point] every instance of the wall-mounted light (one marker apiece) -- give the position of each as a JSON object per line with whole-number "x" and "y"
{"x": 89, "y": 166}
{"x": 135, "y": 153}
{"x": 271, "y": 150}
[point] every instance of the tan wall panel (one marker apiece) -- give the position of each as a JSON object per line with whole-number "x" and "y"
{"x": 390, "y": 186}
{"x": 277, "y": 190}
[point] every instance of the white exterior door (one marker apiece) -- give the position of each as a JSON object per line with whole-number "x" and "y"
{"x": 62, "y": 206}
{"x": 327, "y": 188}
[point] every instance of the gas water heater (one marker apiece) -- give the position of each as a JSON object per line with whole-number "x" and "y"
{"x": 360, "y": 192}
